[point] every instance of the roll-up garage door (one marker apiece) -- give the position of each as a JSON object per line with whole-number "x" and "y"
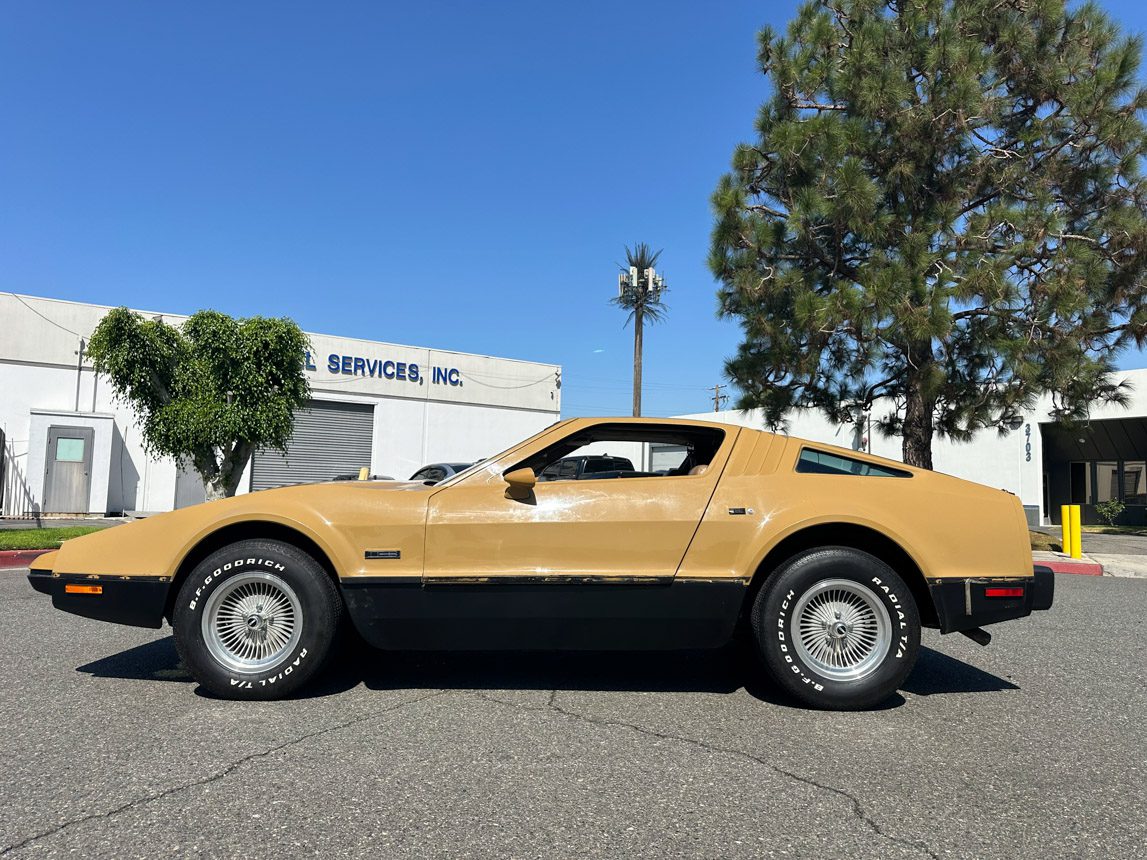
{"x": 328, "y": 439}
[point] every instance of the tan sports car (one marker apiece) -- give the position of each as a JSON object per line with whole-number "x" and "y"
{"x": 832, "y": 559}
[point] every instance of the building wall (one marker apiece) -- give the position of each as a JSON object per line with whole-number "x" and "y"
{"x": 456, "y": 407}
{"x": 408, "y": 434}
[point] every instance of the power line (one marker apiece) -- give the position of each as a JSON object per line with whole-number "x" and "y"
{"x": 548, "y": 378}
{"x": 48, "y": 320}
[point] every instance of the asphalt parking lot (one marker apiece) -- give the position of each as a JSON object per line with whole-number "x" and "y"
{"x": 1032, "y": 747}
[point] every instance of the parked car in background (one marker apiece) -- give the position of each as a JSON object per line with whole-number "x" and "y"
{"x": 436, "y": 472}
{"x": 588, "y": 466}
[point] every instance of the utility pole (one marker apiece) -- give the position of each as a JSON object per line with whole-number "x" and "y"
{"x": 80, "y": 370}
{"x": 718, "y": 397}
{"x": 640, "y": 291}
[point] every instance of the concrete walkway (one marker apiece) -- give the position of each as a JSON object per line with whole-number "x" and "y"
{"x": 1095, "y": 564}
{"x": 1122, "y": 565}
{"x": 1118, "y": 544}
{"x": 1119, "y": 554}
{"x": 1114, "y": 544}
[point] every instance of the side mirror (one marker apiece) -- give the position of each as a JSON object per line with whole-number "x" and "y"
{"x": 521, "y": 483}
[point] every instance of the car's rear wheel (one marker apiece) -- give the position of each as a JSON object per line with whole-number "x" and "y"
{"x": 256, "y": 620}
{"x": 837, "y": 628}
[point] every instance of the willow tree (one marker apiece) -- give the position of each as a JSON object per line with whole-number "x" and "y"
{"x": 943, "y": 208}
{"x": 210, "y": 391}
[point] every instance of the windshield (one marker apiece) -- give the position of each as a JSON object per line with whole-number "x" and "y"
{"x": 481, "y": 463}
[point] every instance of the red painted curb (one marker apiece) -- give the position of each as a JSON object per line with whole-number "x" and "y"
{"x": 1083, "y": 568}
{"x": 10, "y": 559}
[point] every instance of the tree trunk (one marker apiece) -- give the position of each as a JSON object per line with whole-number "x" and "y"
{"x": 222, "y": 474}
{"x": 638, "y": 330}
{"x": 918, "y": 415}
{"x": 214, "y": 490}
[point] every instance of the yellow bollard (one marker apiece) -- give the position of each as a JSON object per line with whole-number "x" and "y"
{"x": 1065, "y": 527}
{"x": 363, "y": 473}
{"x": 1076, "y": 533}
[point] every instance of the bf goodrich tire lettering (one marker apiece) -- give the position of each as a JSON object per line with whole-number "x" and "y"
{"x": 256, "y": 620}
{"x": 837, "y": 628}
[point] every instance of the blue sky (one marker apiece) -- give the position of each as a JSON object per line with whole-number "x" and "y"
{"x": 456, "y": 175}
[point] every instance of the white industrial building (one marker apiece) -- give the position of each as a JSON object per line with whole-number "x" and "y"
{"x": 1045, "y": 464}
{"x": 70, "y": 447}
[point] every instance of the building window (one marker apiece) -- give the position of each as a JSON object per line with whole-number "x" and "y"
{"x": 1095, "y": 481}
{"x": 1106, "y": 481}
{"x": 1134, "y": 482}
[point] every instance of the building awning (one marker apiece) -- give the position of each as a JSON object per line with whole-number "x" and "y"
{"x": 1108, "y": 439}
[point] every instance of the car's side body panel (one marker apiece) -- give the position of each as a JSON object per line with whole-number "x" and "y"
{"x": 513, "y": 613}
{"x": 344, "y": 519}
{"x": 623, "y": 528}
{"x": 948, "y": 527}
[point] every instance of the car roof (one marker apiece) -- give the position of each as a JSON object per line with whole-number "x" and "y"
{"x": 629, "y": 419}
{"x": 596, "y": 457}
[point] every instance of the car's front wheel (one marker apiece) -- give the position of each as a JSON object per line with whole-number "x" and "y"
{"x": 256, "y": 620}
{"x": 837, "y": 628}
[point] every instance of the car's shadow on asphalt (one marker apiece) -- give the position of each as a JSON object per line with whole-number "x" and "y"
{"x": 937, "y": 673}
{"x": 155, "y": 661}
{"x": 725, "y": 670}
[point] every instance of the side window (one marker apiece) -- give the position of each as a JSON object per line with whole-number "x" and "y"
{"x": 605, "y": 452}
{"x": 823, "y": 463}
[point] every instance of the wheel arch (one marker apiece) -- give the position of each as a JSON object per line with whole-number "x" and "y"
{"x": 246, "y": 530}
{"x": 854, "y": 536}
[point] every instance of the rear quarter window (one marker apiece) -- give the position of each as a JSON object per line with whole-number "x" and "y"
{"x": 816, "y": 462}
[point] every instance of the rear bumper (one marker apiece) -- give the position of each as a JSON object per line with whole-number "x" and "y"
{"x": 964, "y": 604}
{"x": 137, "y": 601}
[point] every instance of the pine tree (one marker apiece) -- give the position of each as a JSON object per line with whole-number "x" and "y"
{"x": 944, "y": 208}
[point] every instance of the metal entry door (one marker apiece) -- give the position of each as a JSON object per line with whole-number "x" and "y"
{"x": 68, "y": 470}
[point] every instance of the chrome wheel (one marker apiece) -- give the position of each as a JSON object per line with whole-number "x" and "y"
{"x": 841, "y": 629}
{"x": 251, "y": 622}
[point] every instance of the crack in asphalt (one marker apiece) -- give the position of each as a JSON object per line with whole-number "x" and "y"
{"x": 214, "y": 777}
{"x": 857, "y": 808}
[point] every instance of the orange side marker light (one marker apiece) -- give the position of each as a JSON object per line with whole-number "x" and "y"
{"x": 75, "y": 588}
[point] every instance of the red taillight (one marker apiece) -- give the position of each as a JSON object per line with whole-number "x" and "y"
{"x": 1004, "y": 592}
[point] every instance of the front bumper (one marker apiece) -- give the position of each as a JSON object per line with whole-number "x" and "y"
{"x": 138, "y": 601}
{"x": 964, "y": 604}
